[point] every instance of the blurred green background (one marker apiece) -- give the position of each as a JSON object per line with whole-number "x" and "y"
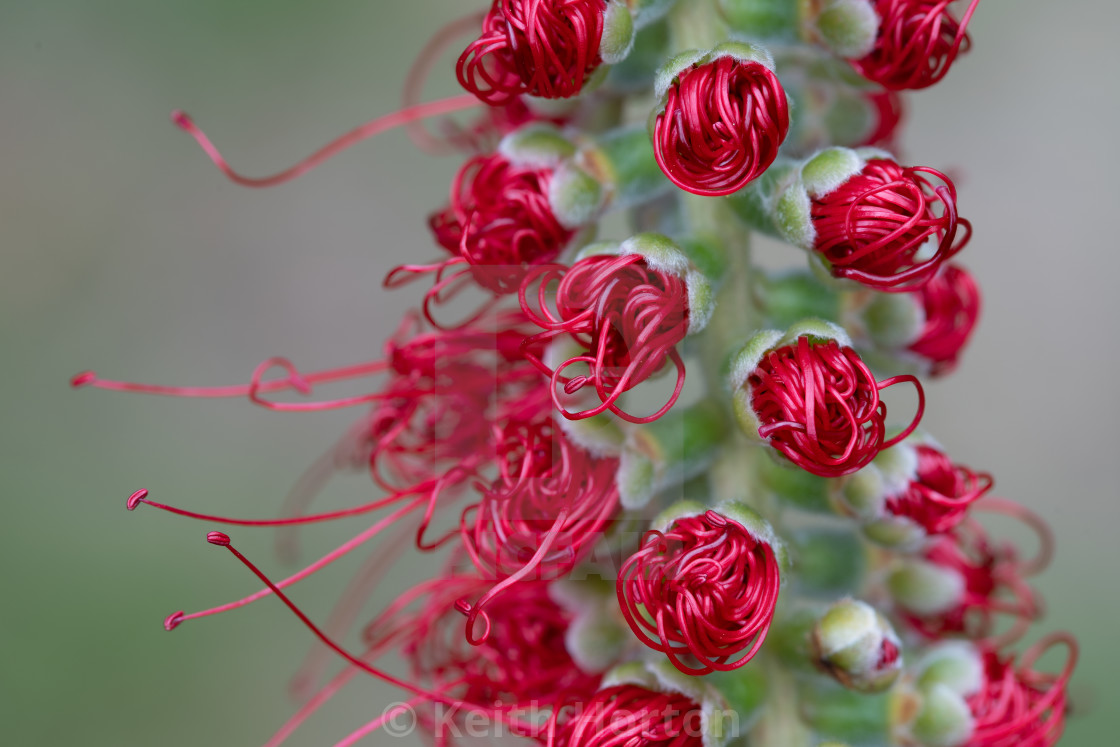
{"x": 123, "y": 250}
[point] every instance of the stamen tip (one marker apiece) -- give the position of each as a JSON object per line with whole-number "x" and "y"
{"x": 181, "y": 119}
{"x": 135, "y": 499}
{"x": 85, "y": 377}
{"x": 221, "y": 539}
{"x": 463, "y": 606}
{"x": 172, "y": 621}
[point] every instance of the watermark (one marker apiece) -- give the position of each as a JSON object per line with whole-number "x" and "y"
{"x": 447, "y": 721}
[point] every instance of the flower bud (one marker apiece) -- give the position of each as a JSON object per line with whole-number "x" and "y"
{"x": 830, "y": 424}
{"x": 924, "y": 588}
{"x": 848, "y": 27}
{"x": 917, "y": 42}
{"x": 545, "y": 49}
{"x": 722, "y": 117}
{"x": 704, "y": 583}
{"x": 867, "y": 219}
{"x": 857, "y": 646}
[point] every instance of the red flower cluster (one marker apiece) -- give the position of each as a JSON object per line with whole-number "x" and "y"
{"x": 632, "y": 715}
{"x": 722, "y": 124}
{"x": 951, "y": 302}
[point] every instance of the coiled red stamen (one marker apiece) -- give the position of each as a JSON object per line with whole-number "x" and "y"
{"x": 993, "y": 580}
{"x": 940, "y": 493}
{"x": 951, "y": 300}
{"x": 1018, "y": 706}
{"x": 818, "y": 404}
{"x": 889, "y": 113}
{"x": 631, "y": 715}
{"x": 873, "y": 228}
{"x": 705, "y": 587}
{"x": 546, "y": 48}
{"x": 917, "y": 43}
{"x": 627, "y": 316}
{"x": 721, "y": 127}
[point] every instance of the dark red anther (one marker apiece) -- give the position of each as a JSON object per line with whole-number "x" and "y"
{"x": 545, "y": 48}
{"x": 136, "y": 499}
{"x": 917, "y": 43}
{"x": 221, "y": 539}
{"x": 875, "y": 227}
{"x": 172, "y": 621}
{"x": 721, "y": 127}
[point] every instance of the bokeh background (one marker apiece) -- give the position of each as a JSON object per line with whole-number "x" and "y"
{"x": 123, "y": 250}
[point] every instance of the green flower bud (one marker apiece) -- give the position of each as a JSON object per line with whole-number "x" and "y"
{"x": 618, "y": 33}
{"x": 575, "y": 196}
{"x": 848, "y": 27}
{"x": 925, "y": 588}
{"x": 538, "y": 145}
{"x": 857, "y": 646}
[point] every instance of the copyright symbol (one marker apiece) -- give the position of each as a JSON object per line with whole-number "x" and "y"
{"x": 398, "y": 719}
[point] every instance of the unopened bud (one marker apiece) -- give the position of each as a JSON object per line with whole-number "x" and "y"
{"x": 857, "y": 646}
{"x": 923, "y": 588}
{"x": 618, "y": 33}
{"x": 538, "y": 145}
{"x": 848, "y": 27}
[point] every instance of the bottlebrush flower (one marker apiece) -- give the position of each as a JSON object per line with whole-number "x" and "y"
{"x": 704, "y": 585}
{"x": 722, "y": 118}
{"x": 808, "y": 394}
{"x": 917, "y": 43}
{"x": 966, "y": 696}
{"x": 870, "y": 220}
{"x": 964, "y": 581}
{"x": 545, "y": 48}
{"x": 626, "y": 307}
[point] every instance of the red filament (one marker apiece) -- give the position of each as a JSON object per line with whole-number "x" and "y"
{"x": 951, "y": 301}
{"x": 939, "y": 495}
{"x": 627, "y": 715}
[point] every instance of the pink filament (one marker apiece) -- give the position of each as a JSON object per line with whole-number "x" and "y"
{"x": 939, "y": 495}
{"x": 872, "y": 228}
{"x": 545, "y": 48}
{"x": 917, "y": 43}
{"x": 818, "y": 404}
{"x": 951, "y": 301}
{"x": 721, "y": 127}
{"x": 705, "y": 588}
{"x": 355, "y": 136}
{"x": 628, "y": 316}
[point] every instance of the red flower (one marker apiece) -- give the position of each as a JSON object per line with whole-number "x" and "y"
{"x": 632, "y": 715}
{"x": 940, "y": 493}
{"x": 721, "y": 126}
{"x": 951, "y": 301}
{"x": 627, "y": 315}
{"x": 818, "y": 404}
{"x": 917, "y": 43}
{"x": 705, "y": 587}
{"x": 545, "y": 48}
{"x": 873, "y": 228}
